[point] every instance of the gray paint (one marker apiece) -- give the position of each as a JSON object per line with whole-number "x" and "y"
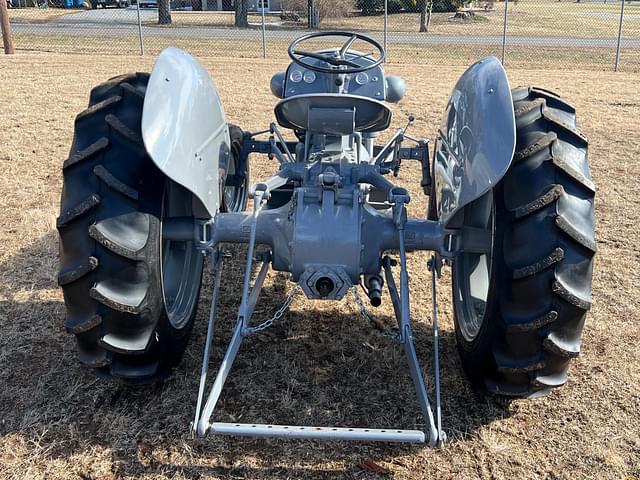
{"x": 369, "y": 115}
{"x": 476, "y": 141}
{"x": 328, "y": 235}
{"x": 395, "y": 88}
{"x": 374, "y": 87}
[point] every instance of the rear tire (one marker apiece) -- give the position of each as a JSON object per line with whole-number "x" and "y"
{"x": 128, "y": 321}
{"x": 519, "y": 312}
{"x": 235, "y": 191}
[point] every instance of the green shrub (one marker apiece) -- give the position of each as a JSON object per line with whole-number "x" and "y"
{"x": 447, "y": 5}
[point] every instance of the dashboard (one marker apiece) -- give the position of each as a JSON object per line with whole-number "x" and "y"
{"x": 370, "y": 83}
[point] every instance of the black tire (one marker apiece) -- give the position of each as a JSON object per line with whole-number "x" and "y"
{"x": 130, "y": 320}
{"x": 235, "y": 191}
{"x": 519, "y": 340}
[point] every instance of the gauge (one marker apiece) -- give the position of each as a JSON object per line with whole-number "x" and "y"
{"x": 295, "y": 76}
{"x": 362, "y": 78}
{"x": 309, "y": 76}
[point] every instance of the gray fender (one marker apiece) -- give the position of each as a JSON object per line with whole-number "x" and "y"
{"x": 477, "y": 138}
{"x": 183, "y": 126}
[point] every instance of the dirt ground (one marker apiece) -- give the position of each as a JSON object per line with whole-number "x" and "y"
{"x": 322, "y": 364}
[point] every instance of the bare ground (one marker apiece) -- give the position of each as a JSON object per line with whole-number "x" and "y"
{"x": 322, "y": 365}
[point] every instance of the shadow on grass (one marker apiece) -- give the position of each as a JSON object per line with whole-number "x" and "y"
{"x": 321, "y": 365}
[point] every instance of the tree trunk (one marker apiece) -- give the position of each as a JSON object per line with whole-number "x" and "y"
{"x": 164, "y": 12}
{"x": 7, "y": 37}
{"x": 423, "y": 17}
{"x": 242, "y": 13}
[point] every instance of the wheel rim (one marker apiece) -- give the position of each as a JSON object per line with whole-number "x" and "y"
{"x": 234, "y": 194}
{"x": 181, "y": 261}
{"x": 472, "y": 271}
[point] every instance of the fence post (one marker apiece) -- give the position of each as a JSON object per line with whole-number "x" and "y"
{"x": 264, "y": 33}
{"x": 615, "y": 68}
{"x": 139, "y": 28}
{"x": 386, "y": 17}
{"x": 504, "y": 31}
{"x": 7, "y": 36}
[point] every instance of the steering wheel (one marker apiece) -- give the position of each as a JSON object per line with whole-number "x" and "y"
{"x": 334, "y": 59}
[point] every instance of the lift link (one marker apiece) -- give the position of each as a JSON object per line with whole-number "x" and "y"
{"x": 399, "y": 198}
{"x": 435, "y": 266}
{"x": 216, "y": 260}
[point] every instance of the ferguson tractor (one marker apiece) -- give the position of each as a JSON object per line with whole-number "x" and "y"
{"x": 157, "y": 180}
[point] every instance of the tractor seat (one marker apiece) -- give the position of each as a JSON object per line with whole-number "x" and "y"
{"x": 333, "y": 114}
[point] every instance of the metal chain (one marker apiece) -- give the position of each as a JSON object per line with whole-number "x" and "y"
{"x": 377, "y": 325}
{"x": 279, "y": 313}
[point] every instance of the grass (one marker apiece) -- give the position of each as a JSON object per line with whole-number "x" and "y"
{"x": 526, "y": 17}
{"x": 321, "y": 364}
{"x": 436, "y": 55}
{"x": 38, "y": 15}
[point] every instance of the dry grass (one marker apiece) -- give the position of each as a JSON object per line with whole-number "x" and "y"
{"x": 527, "y": 17}
{"x": 322, "y": 365}
{"x": 38, "y": 15}
{"x": 455, "y": 55}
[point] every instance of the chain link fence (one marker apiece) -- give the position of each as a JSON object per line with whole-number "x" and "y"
{"x": 591, "y": 34}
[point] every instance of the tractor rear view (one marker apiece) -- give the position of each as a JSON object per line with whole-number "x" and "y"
{"x": 157, "y": 181}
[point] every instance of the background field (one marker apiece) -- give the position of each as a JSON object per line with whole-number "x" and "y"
{"x": 565, "y": 34}
{"x": 526, "y": 17}
{"x": 322, "y": 365}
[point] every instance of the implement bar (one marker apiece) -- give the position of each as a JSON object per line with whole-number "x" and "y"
{"x": 317, "y": 433}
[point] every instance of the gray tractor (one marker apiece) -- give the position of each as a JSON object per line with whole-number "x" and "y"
{"x": 157, "y": 180}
